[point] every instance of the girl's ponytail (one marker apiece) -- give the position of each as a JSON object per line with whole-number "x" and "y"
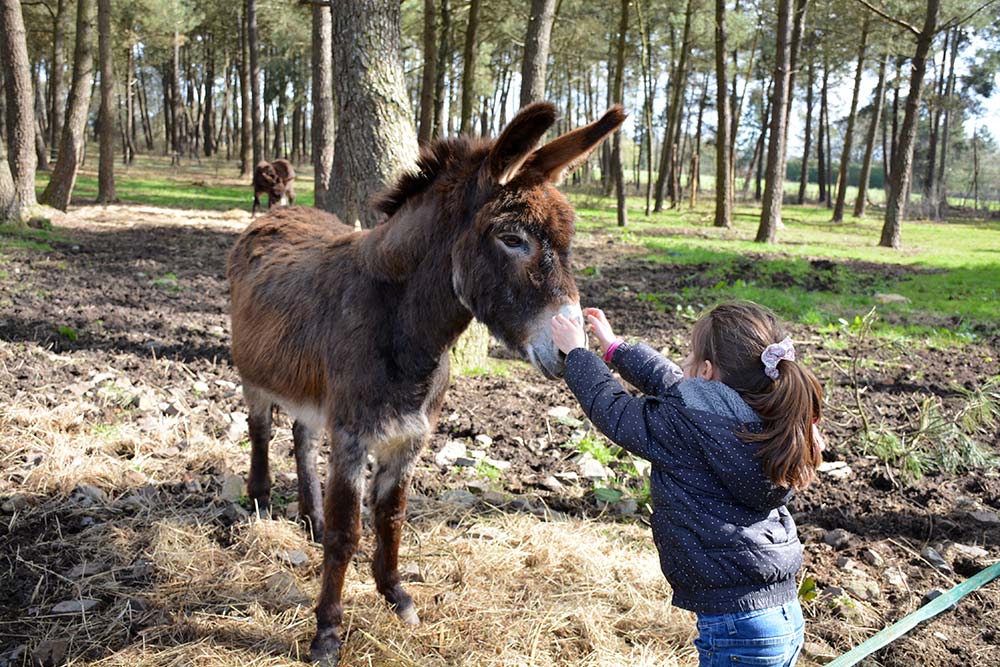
{"x": 741, "y": 339}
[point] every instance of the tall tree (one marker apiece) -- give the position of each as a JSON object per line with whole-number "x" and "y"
{"x": 469, "y": 66}
{"x": 72, "y": 143}
{"x": 845, "y": 153}
{"x": 429, "y": 77}
{"x": 20, "y": 113}
{"x": 770, "y": 217}
{"x": 807, "y": 141}
{"x": 57, "y": 96}
{"x": 866, "y": 166}
{"x": 246, "y": 120}
{"x": 723, "y": 152}
{"x": 536, "y": 50}
{"x": 106, "y": 115}
{"x": 941, "y": 195}
{"x": 902, "y": 157}
{"x": 256, "y": 99}
{"x": 443, "y": 66}
{"x": 379, "y": 141}
{"x": 618, "y": 95}
{"x": 323, "y": 123}
{"x": 668, "y": 159}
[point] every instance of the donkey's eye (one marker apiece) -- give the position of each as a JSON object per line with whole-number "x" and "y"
{"x": 512, "y": 240}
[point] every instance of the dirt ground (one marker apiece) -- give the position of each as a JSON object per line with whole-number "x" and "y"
{"x": 116, "y": 343}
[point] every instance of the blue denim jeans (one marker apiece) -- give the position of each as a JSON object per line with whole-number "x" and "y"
{"x": 770, "y": 637}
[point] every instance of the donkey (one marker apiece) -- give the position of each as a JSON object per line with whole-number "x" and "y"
{"x": 275, "y": 180}
{"x": 349, "y": 331}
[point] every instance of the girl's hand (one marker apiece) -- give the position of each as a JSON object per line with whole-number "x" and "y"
{"x": 567, "y": 334}
{"x": 601, "y": 328}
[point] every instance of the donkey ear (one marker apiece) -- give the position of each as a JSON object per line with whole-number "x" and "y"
{"x": 519, "y": 139}
{"x": 563, "y": 154}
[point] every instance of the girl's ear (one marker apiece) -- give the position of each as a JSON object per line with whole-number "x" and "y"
{"x": 707, "y": 371}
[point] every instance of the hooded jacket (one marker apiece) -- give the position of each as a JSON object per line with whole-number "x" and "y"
{"x": 727, "y": 543}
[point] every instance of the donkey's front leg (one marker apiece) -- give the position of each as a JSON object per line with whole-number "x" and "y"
{"x": 388, "y": 504}
{"x": 342, "y": 510}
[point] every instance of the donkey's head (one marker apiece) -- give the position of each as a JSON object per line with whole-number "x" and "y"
{"x": 511, "y": 266}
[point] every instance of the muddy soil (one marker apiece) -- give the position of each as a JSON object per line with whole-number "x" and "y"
{"x": 128, "y": 287}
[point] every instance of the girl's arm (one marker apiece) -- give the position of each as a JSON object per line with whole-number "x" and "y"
{"x": 640, "y": 365}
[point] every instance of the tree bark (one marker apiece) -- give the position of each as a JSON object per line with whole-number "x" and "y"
{"x": 902, "y": 159}
{"x": 106, "y": 115}
{"x": 469, "y": 67}
{"x": 694, "y": 180}
{"x": 845, "y": 155}
{"x": 770, "y": 218}
{"x": 668, "y": 161}
{"x": 807, "y": 143}
{"x": 941, "y": 196}
{"x": 128, "y": 125}
{"x": 72, "y": 142}
{"x": 866, "y": 167}
{"x": 147, "y": 126}
{"x": 935, "y": 109}
{"x": 821, "y": 153}
{"x": 619, "y": 97}
{"x": 256, "y": 100}
{"x": 429, "y": 77}
{"x": 246, "y": 122}
{"x": 57, "y": 109}
{"x": 20, "y": 114}
{"x": 323, "y": 125}
{"x": 536, "y": 50}
{"x": 208, "y": 113}
{"x": 723, "y": 155}
{"x": 380, "y": 141}
{"x": 41, "y": 148}
{"x": 443, "y": 63}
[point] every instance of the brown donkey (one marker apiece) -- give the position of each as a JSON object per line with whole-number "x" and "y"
{"x": 349, "y": 331}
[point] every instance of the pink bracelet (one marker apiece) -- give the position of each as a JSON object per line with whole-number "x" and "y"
{"x": 611, "y": 350}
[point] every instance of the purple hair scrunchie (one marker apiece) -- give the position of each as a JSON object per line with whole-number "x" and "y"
{"x": 774, "y": 353}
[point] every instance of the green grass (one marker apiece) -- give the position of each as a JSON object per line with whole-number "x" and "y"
{"x": 28, "y": 238}
{"x": 951, "y": 270}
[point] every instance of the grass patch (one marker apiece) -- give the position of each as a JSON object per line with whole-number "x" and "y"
{"x": 29, "y": 238}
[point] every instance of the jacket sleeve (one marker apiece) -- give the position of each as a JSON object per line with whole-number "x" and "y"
{"x": 646, "y": 369}
{"x": 628, "y": 421}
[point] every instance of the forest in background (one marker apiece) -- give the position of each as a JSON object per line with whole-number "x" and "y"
{"x": 836, "y": 96}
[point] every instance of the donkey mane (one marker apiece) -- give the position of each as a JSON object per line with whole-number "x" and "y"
{"x": 435, "y": 159}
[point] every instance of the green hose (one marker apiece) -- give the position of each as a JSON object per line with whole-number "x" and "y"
{"x": 908, "y": 622}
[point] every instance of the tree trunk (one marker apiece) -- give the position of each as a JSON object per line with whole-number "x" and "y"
{"x": 798, "y": 27}
{"x": 246, "y": 112}
{"x": 57, "y": 83}
{"x": 723, "y": 155}
{"x": 208, "y": 113}
{"x": 770, "y": 218}
{"x": 147, "y": 125}
{"x": 668, "y": 160}
{"x": 941, "y": 196}
{"x": 866, "y": 166}
{"x": 619, "y": 97}
{"x": 902, "y": 159}
{"x": 536, "y": 50}
{"x": 443, "y": 63}
{"x": 821, "y": 154}
{"x": 934, "y": 108}
{"x": 647, "y": 106}
{"x": 41, "y": 149}
{"x": 379, "y": 142}
{"x": 429, "y": 78}
{"x": 20, "y": 114}
{"x": 807, "y": 143}
{"x": 845, "y": 155}
{"x": 106, "y": 115}
{"x": 469, "y": 67}
{"x": 177, "y": 131}
{"x": 323, "y": 125}
{"x": 128, "y": 125}
{"x": 72, "y": 143}
{"x": 694, "y": 181}
{"x": 256, "y": 100}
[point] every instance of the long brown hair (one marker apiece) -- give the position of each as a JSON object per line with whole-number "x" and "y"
{"x": 733, "y": 336}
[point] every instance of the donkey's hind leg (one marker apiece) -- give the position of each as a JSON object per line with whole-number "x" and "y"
{"x": 259, "y": 423}
{"x": 310, "y": 498}
{"x": 388, "y": 504}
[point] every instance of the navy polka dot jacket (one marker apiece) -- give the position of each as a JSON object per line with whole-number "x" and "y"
{"x": 727, "y": 542}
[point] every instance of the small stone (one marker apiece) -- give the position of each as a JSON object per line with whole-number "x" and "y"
{"x": 294, "y": 557}
{"x": 284, "y": 587}
{"x": 167, "y": 452}
{"x": 552, "y": 484}
{"x": 872, "y": 557}
{"x": 521, "y": 504}
{"x": 895, "y": 577}
{"x": 484, "y": 440}
{"x": 238, "y": 427}
{"x": 832, "y": 592}
{"x": 499, "y": 464}
{"x": 235, "y": 513}
{"x": 642, "y": 466}
{"x": 838, "y": 538}
{"x": 50, "y": 652}
{"x": 935, "y": 559}
{"x": 626, "y": 507}
{"x": 88, "y": 494}
{"x": 142, "y": 569}
{"x": 835, "y": 469}
{"x": 967, "y": 504}
{"x": 465, "y": 462}
{"x": 292, "y": 510}
{"x": 887, "y": 297}
{"x": 171, "y": 408}
{"x": 986, "y": 517}
{"x": 410, "y": 572}
{"x": 940, "y": 636}
{"x": 74, "y": 606}
{"x": 818, "y": 652}
{"x": 15, "y": 503}
{"x": 200, "y": 387}
{"x": 862, "y": 587}
{"x": 450, "y": 452}
{"x": 559, "y": 412}
{"x": 232, "y": 488}
{"x": 476, "y": 485}
{"x": 591, "y": 468}
{"x": 568, "y": 476}
{"x": 845, "y": 563}
{"x": 970, "y": 552}
{"x": 481, "y": 532}
{"x": 87, "y": 569}
{"x": 934, "y": 594}
{"x": 460, "y": 497}
{"x": 494, "y": 498}
{"x": 478, "y": 454}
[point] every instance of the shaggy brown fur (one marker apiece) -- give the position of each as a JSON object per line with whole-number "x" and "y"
{"x": 350, "y": 331}
{"x": 275, "y": 180}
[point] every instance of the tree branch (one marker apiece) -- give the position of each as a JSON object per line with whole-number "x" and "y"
{"x": 321, "y": 3}
{"x": 892, "y": 19}
{"x": 956, "y": 22}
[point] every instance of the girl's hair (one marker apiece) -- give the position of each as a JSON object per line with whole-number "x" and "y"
{"x": 733, "y": 336}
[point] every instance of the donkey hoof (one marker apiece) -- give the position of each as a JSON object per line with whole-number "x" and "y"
{"x": 408, "y": 614}
{"x": 325, "y": 651}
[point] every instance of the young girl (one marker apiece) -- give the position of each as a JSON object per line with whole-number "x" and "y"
{"x": 730, "y": 434}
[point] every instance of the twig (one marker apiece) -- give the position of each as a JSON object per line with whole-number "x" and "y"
{"x": 891, "y": 19}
